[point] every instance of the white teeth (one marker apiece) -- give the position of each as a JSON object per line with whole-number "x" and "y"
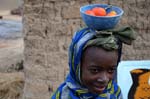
{"x": 99, "y": 80}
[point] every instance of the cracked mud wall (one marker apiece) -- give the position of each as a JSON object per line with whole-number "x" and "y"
{"x": 48, "y": 29}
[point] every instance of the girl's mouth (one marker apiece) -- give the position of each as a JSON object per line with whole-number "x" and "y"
{"x": 99, "y": 89}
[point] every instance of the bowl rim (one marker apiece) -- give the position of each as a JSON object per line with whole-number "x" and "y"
{"x": 120, "y": 14}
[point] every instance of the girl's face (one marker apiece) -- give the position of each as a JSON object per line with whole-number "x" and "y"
{"x": 97, "y": 68}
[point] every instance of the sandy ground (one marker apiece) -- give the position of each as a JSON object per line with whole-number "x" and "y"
{"x": 11, "y": 53}
{"x": 11, "y": 50}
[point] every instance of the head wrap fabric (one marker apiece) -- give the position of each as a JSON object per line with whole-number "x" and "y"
{"x": 108, "y": 39}
{"x": 72, "y": 87}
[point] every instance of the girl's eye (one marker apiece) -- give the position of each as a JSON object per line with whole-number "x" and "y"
{"x": 94, "y": 71}
{"x": 112, "y": 70}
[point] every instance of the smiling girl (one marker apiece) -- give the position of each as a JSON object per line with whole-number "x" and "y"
{"x": 93, "y": 59}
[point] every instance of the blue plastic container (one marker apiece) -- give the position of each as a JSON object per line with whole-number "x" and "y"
{"x": 101, "y": 22}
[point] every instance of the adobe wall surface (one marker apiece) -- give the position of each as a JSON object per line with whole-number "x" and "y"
{"x": 48, "y": 29}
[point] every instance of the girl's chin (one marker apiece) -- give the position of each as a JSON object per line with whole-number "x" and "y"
{"x": 98, "y": 90}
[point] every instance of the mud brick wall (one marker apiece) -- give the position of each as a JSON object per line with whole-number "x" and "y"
{"x": 48, "y": 29}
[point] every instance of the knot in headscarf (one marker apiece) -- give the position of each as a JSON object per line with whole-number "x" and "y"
{"x": 109, "y": 39}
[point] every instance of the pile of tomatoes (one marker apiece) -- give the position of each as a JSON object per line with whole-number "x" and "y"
{"x": 99, "y": 11}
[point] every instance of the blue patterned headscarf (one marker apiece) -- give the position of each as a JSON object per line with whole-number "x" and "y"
{"x": 72, "y": 87}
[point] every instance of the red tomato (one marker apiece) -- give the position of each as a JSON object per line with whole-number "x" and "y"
{"x": 90, "y": 12}
{"x": 99, "y": 11}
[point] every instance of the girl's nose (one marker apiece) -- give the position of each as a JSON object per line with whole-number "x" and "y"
{"x": 103, "y": 77}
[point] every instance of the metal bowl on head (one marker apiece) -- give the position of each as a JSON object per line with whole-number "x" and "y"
{"x": 101, "y": 22}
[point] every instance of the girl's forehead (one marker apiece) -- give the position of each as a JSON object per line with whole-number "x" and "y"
{"x": 95, "y": 55}
{"x": 93, "y": 50}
